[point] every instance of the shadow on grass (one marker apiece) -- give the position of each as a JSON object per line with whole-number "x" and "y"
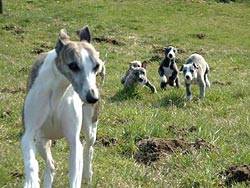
{"x": 171, "y": 99}
{"x": 126, "y": 94}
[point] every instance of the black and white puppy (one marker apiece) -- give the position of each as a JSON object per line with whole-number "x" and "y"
{"x": 195, "y": 72}
{"x": 168, "y": 70}
{"x": 137, "y": 75}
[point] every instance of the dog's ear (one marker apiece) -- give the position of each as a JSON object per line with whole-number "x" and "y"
{"x": 181, "y": 69}
{"x": 84, "y": 34}
{"x": 196, "y": 65}
{"x": 62, "y": 40}
{"x": 144, "y": 64}
{"x": 175, "y": 50}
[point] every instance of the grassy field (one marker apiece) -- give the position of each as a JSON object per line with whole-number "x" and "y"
{"x": 139, "y": 30}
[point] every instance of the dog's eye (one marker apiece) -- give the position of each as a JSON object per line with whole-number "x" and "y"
{"x": 74, "y": 67}
{"x": 191, "y": 70}
{"x": 96, "y": 68}
{"x": 175, "y": 51}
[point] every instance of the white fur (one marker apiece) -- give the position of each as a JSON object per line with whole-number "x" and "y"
{"x": 53, "y": 109}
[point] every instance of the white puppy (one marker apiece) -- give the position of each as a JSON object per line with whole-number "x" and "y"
{"x": 195, "y": 72}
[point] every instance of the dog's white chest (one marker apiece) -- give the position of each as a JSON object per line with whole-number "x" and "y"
{"x": 167, "y": 71}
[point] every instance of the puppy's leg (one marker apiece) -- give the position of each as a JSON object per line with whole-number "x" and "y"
{"x": 188, "y": 92}
{"x": 177, "y": 82}
{"x": 163, "y": 78}
{"x": 202, "y": 85}
{"x": 207, "y": 81}
{"x": 151, "y": 86}
{"x": 43, "y": 146}
{"x": 89, "y": 128}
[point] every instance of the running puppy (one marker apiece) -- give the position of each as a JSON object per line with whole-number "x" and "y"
{"x": 195, "y": 72}
{"x": 168, "y": 70}
{"x": 137, "y": 74}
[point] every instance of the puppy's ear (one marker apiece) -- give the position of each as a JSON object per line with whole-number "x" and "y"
{"x": 181, "y": 69}
{"x": 195, "y": 65}
{"x": 144, "y": 64}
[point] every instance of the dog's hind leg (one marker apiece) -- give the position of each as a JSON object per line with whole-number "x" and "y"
{"x": 202, "y": 85}
{"x": 43, "y": 146}
{"x": 177, "y": 82}
{"x": 89, "y": 127}
{"x": 207, "y": 81}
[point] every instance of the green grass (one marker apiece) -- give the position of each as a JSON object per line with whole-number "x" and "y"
{"x": 142, "y": 26}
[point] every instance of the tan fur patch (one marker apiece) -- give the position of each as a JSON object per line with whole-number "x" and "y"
{"x": 35, "y": 68}
{"x": 96, "y": 111}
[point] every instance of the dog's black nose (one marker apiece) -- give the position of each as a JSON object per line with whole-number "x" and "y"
{"x": 140, "y": 80}
{"x": 187, "y": 77}
{"x": 91, "y": 97}
{"x": 170, "y": 56}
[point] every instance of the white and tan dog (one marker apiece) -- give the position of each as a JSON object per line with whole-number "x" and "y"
{"x": 195, "y": 71}
{"x": 62, "y": 101}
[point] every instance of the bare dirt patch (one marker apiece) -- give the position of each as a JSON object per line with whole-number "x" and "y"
{"x": 236, "y": 174}
{"x": 106, "y": 141}
{"x": 221, "y": 83}
{"x": 44, "y": 47}
{"x": 108, "y": 40}
{"x": 14, "y": 29}
{"x": 154, "y": 149}
{"x": 181, "y": 131}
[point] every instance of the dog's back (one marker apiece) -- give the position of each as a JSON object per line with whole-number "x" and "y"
{"x": 200, "y": 61}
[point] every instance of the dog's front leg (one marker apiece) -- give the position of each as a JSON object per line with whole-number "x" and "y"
{"x": 188, "y": 92}
{"x": 90, "y": 115}
{"x": 34, "y": 115}
{"x": 30, "y": 162}
{"x": 163, "y": 78}
{"x": 76, "y": 161}
{"x": 151, "y": 86}
{"x": 43, "y": 146}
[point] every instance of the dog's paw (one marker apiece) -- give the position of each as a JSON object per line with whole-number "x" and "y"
{"x": 163, "y": 85}
{"x": 189, "y": 98}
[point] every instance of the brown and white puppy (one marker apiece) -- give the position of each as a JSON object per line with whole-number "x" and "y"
{"x": 195, "y": 72}
{"x": 137, "y": 75}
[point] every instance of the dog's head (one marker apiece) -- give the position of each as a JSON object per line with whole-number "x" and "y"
{"x": 135, "y": 64}
{"x": 170, "y": 52}
{"x": 79, "y": 62}
{"x": 139, "y": 73}
{"x": 189, "y": 72}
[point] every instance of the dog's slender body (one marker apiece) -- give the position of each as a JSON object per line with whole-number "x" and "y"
{"x": 62, "y": 99}
{"x": 196, "y": 71}
{"x": 168, "y": 70}
{"x": 137, "y": 75}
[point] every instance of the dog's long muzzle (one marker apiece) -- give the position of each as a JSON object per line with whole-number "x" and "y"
{"x": 92, "y": 97}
